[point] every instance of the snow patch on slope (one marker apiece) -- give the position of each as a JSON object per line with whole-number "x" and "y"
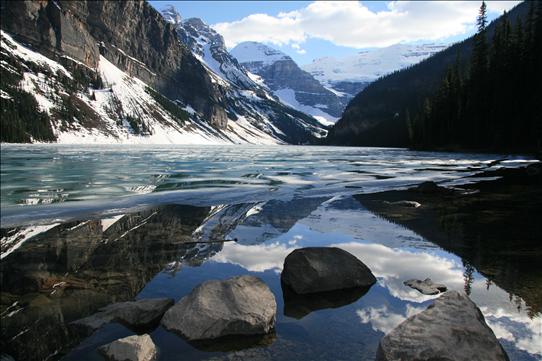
{"x": 17, "y": 237}
{"x": 26, "y": 54}
{"x": 287, "y": 96}
{"x": 250, "y": 51}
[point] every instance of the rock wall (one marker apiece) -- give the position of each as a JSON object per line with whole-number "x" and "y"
{"x": 130, "y": 34}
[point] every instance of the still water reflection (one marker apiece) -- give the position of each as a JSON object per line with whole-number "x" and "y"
{"x": 70, "y": 270}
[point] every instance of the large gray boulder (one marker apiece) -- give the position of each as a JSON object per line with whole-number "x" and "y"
{"x": 451, "y": 329}
{"x": 241, "y": 305}
{"x": 132, "y": 348}
{"x": 321, "y": 269}
{"x": 138, "y": 314}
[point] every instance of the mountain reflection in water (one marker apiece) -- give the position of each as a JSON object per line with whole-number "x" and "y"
{"x": 71, "y": 270}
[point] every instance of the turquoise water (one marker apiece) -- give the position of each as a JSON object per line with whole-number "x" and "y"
{"x": 66, "y": 181}
{"x": 271, "y": 200}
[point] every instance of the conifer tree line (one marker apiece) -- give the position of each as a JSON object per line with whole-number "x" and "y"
{"x": 494, "y": 100}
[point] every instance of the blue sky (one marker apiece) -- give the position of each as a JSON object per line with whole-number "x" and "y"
{"x": 306, "y": 30}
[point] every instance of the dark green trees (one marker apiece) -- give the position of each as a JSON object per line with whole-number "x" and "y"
{"x": 493, "y": 101}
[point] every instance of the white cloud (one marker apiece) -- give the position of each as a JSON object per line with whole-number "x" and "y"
{"x": 382, "y": 319}
{"x": 298, "y": 48}
{"x": 352, "y": 24}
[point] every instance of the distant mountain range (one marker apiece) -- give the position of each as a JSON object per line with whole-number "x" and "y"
{"x": 353, "y": 73}
{"x": 289, "y": 82}
{"x": 121, "y": 72}
{"x": 118, "y": 72}
{"x": 378, "y": 115}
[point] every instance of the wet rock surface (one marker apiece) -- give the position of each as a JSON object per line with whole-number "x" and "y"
{"x": 453, "y": 328}
{"x": 241, "y": 305}
{"x": 132, "y": 348}
{"x": 136, "y": 315}
{"x": 431, "y": 187}
{"x": 427, "y": 286}
{"x": 408, "y": 204}
{"x": 321, "y": 269}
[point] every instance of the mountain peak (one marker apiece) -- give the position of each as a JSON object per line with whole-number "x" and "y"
{"x": 197, "y": 23}
{"x": 252, "y": 51}
{"x": 171, "y": 15}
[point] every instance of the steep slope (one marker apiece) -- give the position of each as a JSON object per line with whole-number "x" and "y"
{"x": 117, "y": 72}
{"x": 353, "y": 73}
{"x": 208, "y": 46}
{"x": 378, "y": 115}
{"x": 286, "y": 80}
{"x": 245, "y": 93}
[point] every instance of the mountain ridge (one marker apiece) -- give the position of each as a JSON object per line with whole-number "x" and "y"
{"x": 171, "y": 92}
{"x": 288, "y": 81}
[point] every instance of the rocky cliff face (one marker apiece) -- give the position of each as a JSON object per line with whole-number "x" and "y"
{"x": 209, "y": 47}
{"x": 287, "y": 81}
{"x": 131, "y": 35}
{"x": 246, "y": 95}
{"x": 156, "y": 90}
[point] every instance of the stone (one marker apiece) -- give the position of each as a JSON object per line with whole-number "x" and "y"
{"x": 427, "y": 287}
{"x": 409, "y": 204}
{"x": 242, "y": 305}
{"x": 134, "y": 314}
{"x": 321, "y": 269}
{"x": 131, "y": 348}
{"x": 431, "y": 187}
{"x": 452, "y": 328}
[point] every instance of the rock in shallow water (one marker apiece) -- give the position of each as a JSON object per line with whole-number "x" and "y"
{"x": 408, "y": 204}
{"x": 431, "y": 187}
{"x": 241, "y": 305}
{"x": 321, "y": 269}
{"x": 452, "y": 328}
{"x": 132, "y": 348}
{"x": 427, "y": 287}
{"x": 134, "y": 314}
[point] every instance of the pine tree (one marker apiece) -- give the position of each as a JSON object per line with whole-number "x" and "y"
{"x": 496, "y": 103}
{"x": 478, "y": 79}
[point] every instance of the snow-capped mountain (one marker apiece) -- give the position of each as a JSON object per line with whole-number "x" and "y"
{"x": 208, "y": 46}
{"x": 128, "y": 79}
{"x": 242, "y": 86}
{"x": 288, "y": 82}
{"x": 352, "y": 73}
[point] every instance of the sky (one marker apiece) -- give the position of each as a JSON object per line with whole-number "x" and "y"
{"x": 307, "y": 30}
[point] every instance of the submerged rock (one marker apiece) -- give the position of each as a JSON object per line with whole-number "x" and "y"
{"x": 409, "y": 204}
{"x": 431, "y": 187}
{"x": 134, "y": 314}
{"x": 427, "y": 287}
{"x": 321, "y": 269}
{"x": 241, "y": 305}
{"x": 453, "y": 328}
{"x": 132, "y": 348}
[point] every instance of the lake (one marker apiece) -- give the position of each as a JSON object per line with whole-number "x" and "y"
{"x": 83, "y": 227}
